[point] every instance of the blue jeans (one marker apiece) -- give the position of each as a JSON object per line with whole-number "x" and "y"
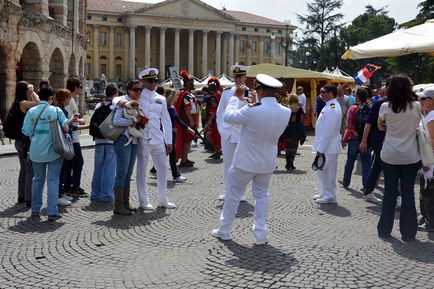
{"x": 39, "y": 174}
{"x": 353, "y": 152}
{"x": 104, "y": 172}
{"x": 376, "y": 169}
{"x": 405, "y": 177}
{"x": 125, "y": 160}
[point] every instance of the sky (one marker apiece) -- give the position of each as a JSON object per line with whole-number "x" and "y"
{"x": 401, "y": 10}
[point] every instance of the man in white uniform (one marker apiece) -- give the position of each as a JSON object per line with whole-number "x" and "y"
{"x": 157, "y": 143}
{"x": 327, "y": 143}
{"x": 229, "y": 132}
{"x": 255, "y": 157}
{"x": 301, "y": 98}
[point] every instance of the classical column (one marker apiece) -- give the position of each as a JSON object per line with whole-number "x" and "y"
{"x": 224, "y": 52}
{"x": 204, "y": 52}
{"x": 126, "y": 54}
{"x": 237, "y": 49}
{"x": 218, "y": 51}
{"x": 177, "y": 49}
{"x": 261, "y": 49}
{"x": 249, "y": 51}
{"x": 162, "y": 52}
{"x": 191, "y": 51}
{"x": 231, "y": 49}
{"x": 148, "y": 47}
{"x": 273, "y": 51}
{"x": 111, "y": 74}
{"x": 132, "y": 54}
{"x": 96, "y": 51}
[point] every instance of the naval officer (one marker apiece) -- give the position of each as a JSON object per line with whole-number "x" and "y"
{"x": 229, "y": 132}
{"x": 158, "y": 140}
{"x": 255, "y": 156}
{"x": 327, "y": 145}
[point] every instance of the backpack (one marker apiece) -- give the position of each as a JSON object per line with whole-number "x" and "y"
{"x": 97, "y": 118}
{"x": 361, "y": 118}
{"x": 13, "y": 124}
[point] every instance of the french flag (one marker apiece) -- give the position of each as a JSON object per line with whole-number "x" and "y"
{"x": 365, "y": 73}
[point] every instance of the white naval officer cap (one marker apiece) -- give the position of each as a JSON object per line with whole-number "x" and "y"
{"x": 238, "y": 69}
{"x": 427, "y": 93}
{"x": 149, "y": 73}
{"x": 264, "y": 80}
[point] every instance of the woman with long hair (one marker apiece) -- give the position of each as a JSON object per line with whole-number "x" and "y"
{"x": 25, "y": 98}
{"x": 400, "y": 157}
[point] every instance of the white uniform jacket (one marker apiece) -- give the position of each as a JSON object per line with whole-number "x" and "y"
{"x": 154, "y": 107}
{"x": 229, "y": 132}
{"x": 261, "y": 127}
{"x": 327, "y": 129}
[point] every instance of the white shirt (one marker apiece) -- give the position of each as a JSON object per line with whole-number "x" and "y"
{"x": 261, "y": 127}
{"x": 327, "y": 128}
{"x": 154, "y": 107}
{"x": 72, "y": 109}
{"x": 400, "y": 144}
{"x": 228, "y": 132}
{"x": 302, "y": 101}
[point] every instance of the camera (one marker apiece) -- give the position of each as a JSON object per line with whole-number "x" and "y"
{"x": 246, "y": 93}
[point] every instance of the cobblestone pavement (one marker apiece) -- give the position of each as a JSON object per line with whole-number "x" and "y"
{"x": 311, "y": 246}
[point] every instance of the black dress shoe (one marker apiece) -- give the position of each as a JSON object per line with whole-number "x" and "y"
{"x": 53, "y": 218}
{"x": 185, "y": 164}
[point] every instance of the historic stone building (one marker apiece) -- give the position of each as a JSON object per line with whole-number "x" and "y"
{"x": 40, "y": 40}
{"x": 125, "y": 37}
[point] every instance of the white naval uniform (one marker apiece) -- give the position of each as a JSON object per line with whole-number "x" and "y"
{"x": 327, "y": 141}
{"x": 255, "y": 159}
{"x": 154, "y": 107}
{"x": 230, "y": 133}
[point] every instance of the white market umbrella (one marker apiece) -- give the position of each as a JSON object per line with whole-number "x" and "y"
{"x": 417, "y": 39}
{"x": 225, "y": 81}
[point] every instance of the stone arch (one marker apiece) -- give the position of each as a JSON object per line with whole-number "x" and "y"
{"x": 72, "y": 68}
{"x": 30, "y": 65}
{"x": 57, "y": 66}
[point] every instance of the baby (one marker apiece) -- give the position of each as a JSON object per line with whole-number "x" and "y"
{"x": 132, "y": 111}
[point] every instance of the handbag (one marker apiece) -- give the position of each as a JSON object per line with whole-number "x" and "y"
{"x": 425, "y": 147}
{"x": 109, "y": 130}
{"x": 62, "y": 143}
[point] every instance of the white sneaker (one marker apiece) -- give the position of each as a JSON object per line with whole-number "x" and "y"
{"x": 325, "y": 201}
{"x": 261, "y": 242}
{"x": 316, "y": 197}
{"x": 215, "y": 233}
{"x": 398, "y": 202}
{"x": 63, "y": 202}
{"x": 69, "y": 198}
{"x": 167, "y": 205}
{"x": 180, "y": 179}
{"x": 147, "y": 207}
{"x": 372, "y": 198}
{"x": 222, "y": 197}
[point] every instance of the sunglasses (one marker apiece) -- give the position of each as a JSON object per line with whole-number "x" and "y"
{"x": 152, "y": 80}
{"x": 424, "y": 98}
{"x": 135, "y": 89}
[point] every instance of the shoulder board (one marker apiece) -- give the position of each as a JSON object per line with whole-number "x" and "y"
{"x": 332, "y": 105}
{"x": 254, "y": 104}
{"x": 227, "y": 88}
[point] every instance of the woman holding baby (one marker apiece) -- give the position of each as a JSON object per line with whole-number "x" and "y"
{"x": 125, "y": 153}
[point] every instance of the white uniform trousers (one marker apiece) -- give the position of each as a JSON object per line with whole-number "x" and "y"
{"x": 237, "y": 182}
{"x": 228, "y": 150}
{"x": 160, "y": 160}
{"x": 326, "y": 178}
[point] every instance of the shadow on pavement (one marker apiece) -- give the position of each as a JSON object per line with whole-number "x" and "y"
{"x": 285, "y": 172}
{"x": 213, "y": 161}
{"x": 31, "y": 226}
{"x": 245, "y": 210}
{"x": 139, "y": 218}
{"x": 98, "y": 206}
{"x": 266, "y": 258}
{"x": 415, "y": 250}
{"x": 16, "y": 209}
{"x": 335, "y": 210}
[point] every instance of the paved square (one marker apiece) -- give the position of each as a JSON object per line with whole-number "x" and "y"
{"x": 311, "y": 246}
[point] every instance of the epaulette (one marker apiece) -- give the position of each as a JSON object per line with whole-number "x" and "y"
{"x": 227, "y": 88}
{"x": 254, "y": 104}
{"x": 332, "y": 105}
